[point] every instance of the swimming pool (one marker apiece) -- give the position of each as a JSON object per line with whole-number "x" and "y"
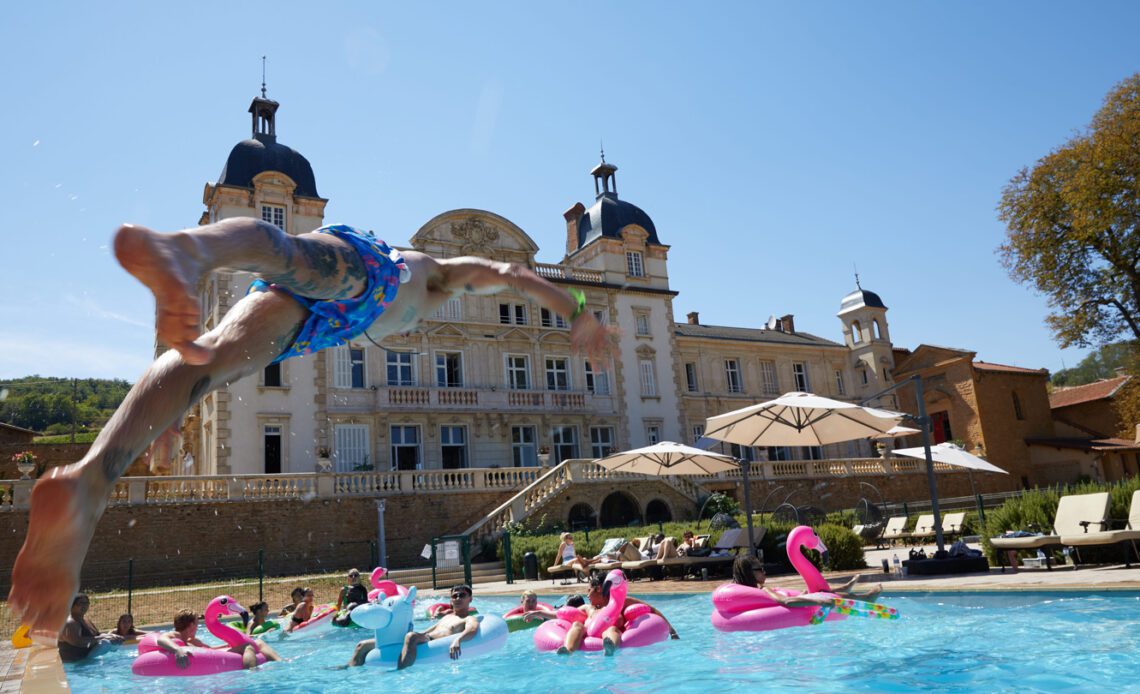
{"x": 944, "y": 642}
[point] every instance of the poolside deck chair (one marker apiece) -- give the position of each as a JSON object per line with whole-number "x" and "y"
{"x": 1126, "y": 537}
{"x": 732, "y": 540}
{"x": 620, "y": 552}
{"x": 952, "y": 523}
{"x": 923, "y": 527}
{"x": 636, "y": 568}
{"x": 895, "y": 530}
{"x": 576, "y": 568}
{"x": 1075, "y": 513}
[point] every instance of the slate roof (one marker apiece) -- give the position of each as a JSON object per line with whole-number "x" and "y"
{"x": 719, "y": 332}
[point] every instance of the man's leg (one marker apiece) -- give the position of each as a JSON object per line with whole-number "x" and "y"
{"x": 267, "y": 651}
{"x": 360, "y": 653}
{"x": 68, "y": 501}
{"x": 611, "y": 640}
{"x": 318, "y": 266}
{"x": 411, "y": 644}
{"x": 574, "y": 637}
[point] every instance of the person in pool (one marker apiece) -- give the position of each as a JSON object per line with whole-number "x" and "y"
{"x": 298, "y": 596}
{"x": 597, "y": 598}
{"x": 79, "y": 636}
{"x": 350, "y": 596}
{"x": 458, "y": 621}
{"x": 749, "y": 571}
{"x": 303, "y": 612}
{"x": 316, "y": 290}
{"x": 126, "y": 628}
{"x": 543, "y": 614}
{"x": 186, "y": 630}
{"x": 258, "y": 619}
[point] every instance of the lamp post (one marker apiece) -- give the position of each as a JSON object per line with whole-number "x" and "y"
{"x": 383, "y": 549}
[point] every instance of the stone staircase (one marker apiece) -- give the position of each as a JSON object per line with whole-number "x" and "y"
{"x": 533, "y": 497}
{"x": 489, "y": 572}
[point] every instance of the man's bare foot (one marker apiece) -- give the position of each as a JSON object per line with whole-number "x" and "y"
{"x": 608, "y": 645}
{"x": 166, "y": 265}
{"x": 563, "y": 650}
{"x": 45, "y": 578}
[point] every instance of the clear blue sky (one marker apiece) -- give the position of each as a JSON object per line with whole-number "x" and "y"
{"x": 774, "y": 145}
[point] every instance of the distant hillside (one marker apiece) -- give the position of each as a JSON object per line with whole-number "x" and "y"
{"x": 50, "y": 405}
{"x": 1098, "y": 365}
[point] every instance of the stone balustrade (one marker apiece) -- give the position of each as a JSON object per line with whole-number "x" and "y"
{"x": 535, "y": 485}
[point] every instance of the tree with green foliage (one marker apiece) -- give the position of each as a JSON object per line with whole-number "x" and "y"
{"x": 1072, "y": 226}
{"x": 1097, "y": 365}
{"x": 46, "y": 403}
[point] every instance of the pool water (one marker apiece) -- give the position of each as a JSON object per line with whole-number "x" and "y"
{"x": 944, "y": 642}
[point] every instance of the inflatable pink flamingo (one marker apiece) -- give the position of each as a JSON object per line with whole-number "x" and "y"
{"x": 382, "y": 585}
{"x": 156, "y": 662}
{"x": 642, "y": 627}
{"x": 743, "y": 608}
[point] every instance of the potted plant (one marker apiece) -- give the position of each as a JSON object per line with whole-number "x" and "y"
{"x": 25, "y": 463}
{"x": 324, "y": 464}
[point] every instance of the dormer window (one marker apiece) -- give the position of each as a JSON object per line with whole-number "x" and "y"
{"x": 633, "y": 264}
{"x": 274, "y": 214}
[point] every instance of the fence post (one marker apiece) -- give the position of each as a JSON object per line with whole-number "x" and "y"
{"x": 906, "y": 510}
{"x": 434, "y": 542}
{"x": 467, "y": 559}
{"x": 981, "y": 508}
{"x": 130, "y": 582}
{"x": 261, "y": 575}
{"x": 507, "y": 562}
{"x": 372, "y": 553}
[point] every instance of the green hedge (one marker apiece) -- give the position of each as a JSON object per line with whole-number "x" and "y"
{"x": 1038, "y": 507}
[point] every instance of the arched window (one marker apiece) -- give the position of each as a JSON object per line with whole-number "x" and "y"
{"x": 657, "y": 511}
{"x": 618, "y": 510}
{"x": 856, "y": 333}
{"x": 582, "y": 516}
{"x": 876, "y": 333}
{"x": 1017, "y": 406}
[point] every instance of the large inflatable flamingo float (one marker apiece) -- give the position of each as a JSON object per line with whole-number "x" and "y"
{"x": 743, "y": 608}
{"x": 156, "y": 662}
{"x": 391, "y": 618}
{"x": 642, "y": 627}
{"x": 383, "y": 585}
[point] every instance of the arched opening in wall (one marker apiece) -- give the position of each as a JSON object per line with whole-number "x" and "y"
{"x": 856, "y": 333}
{"x": 618, "y": 510}
{"x": 582, "y": 516}
{"x": 876, "y": 333}
{"x": 657, "y": 511}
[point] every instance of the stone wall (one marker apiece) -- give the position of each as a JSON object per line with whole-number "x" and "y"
{"x": 190, "y": 542}
{"x": 49, "y": 455}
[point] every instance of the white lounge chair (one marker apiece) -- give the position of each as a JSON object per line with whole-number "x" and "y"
{"x": 1075, "y": 514}
{"x": 1126, "y": 538}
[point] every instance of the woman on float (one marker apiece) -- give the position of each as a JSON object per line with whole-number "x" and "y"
{"x": 303, "y": 611}
{"x": 597, "y": 599}
{"x": 748, "y": 571}
{"x": 350, "y": 596}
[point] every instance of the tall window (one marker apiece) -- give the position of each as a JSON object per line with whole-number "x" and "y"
{"x": 512, "y": 313}
{"x": 453, "y": 447}
{"x": 557, "y": 373}
{"x": 698, "y": 432}
{"x": 597, "y": 382}
{"x": 524, "y": 453}
{"x": 518, "y": 371}
{"x": 811, "y": 452}
{"x": 742, "y": 452}
{"x": 840, "y": 387}
{"x": 449, "y": 369}
{"x": 779, "y": 453}
{"x": 856, "y": 333}
{"x": 1017, "y": 405}
{"x": 732, "y": 376}
{"x": 271, "y": 377}
{"x": 648, "y": 379}
{"x": 348, "y": 367}
{"x": 800, "y": 375}
{"x": 691, "y": 377}
{"x": 350, "y": 446}
{"x": 653, "y": 433}
{"x": 550, "y": 319}
{"x": 565, "y": 440}
{"x": 768, "y": 383}
{"x": 875, "y": 331}
{"x": 863, "y": 375}
{"x": 401, "y": 369}
{"x": 405, "y": 447}
{"x": 634, "y": 266}
{"x": 641, "y": 320}
{"x": 601, "y": 441}
{"x": 272, "y": 440}
{"x": 452, "y": 309}
{"x": 274, "y": 214}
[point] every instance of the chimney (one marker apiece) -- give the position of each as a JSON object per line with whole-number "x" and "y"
{"x": 694, "y": 318}
{"x": 572, "y": 216}
{"x": 788, "y": 323}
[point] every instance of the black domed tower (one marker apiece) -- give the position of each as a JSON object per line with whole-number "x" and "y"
{"x": 867, "y": 335}
{"x": 262, "y": 152}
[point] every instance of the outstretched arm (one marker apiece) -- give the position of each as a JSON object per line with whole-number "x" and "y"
{"x": 471, "y": 275}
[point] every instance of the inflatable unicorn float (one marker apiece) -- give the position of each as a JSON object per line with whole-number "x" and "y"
{"x": 743, "y": 608}
{"x": 391, "y": 619}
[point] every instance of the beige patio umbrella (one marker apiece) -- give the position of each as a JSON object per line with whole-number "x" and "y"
{"x": 796, "y": 419}
{"x": 897, "y": 431}
{"x": 668, "y": 458}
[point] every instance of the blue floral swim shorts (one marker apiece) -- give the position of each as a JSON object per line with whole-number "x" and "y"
{"x": 333, "y": 322}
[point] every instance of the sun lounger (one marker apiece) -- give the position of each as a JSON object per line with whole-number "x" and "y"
{"x": 732, "y": 540}
{"x": 896, "y": 530}
{"x": 1126, "y": 537}
{"x": 620, "y": 552}
{"x": 1076, "y": 513}
{"x": 952, "y": 523}
{"x": 923, "y": 527}
{"x": 636, "y": 567}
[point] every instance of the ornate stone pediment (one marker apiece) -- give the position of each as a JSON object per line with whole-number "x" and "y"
{"x": 475, "y": 236}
